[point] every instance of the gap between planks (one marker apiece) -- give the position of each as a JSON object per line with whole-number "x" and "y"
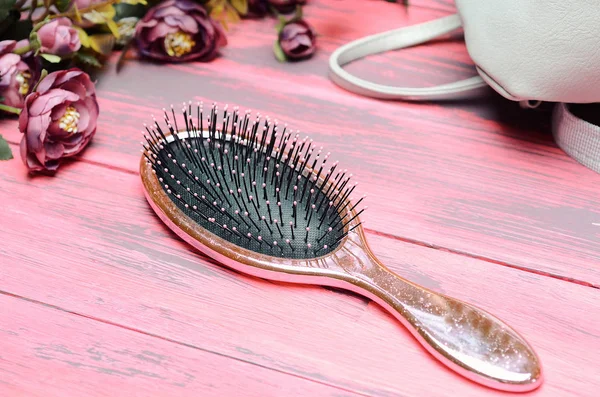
{"x": 109, "y": 359}
{"x": 390, "y": 236}
{"x": 481, "y": 258}
{"x": 183, "y": 344}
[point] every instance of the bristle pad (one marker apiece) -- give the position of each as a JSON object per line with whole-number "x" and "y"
{"x": 242, "y": 188}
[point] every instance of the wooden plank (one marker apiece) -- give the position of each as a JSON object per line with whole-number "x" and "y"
{"x": 87, "y": 242}
{"x": 482, "y": 178}
{"x": 48, "y": 352}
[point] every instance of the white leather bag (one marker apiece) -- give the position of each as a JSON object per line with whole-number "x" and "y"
{"x": 529, "y": 51}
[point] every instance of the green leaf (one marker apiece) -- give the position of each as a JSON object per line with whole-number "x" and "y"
{"x": 51, "y": 58}
{"x": 9, "y": 109}
{"x": 298, "y": 14}
{"x": 241, "y": 6}
{"x": 43, "y": 75}
{"x": 5, "y": 152}
{"x": 102, "y": 43}
{"x": 114, "y": 29}
{"x": 280, "y": 24}
{"x": 84, "y": 39}
{"x": 88, "y": 59}
{"x": 134, "y": 2}
{"x": 62, "y": 5}
{"x": 5, "y": 7}
{"x": 77, "y": 14}
{"x": 279, "y": 54}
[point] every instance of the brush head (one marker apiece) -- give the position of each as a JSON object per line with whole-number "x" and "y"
{"x": 251, "y": 181}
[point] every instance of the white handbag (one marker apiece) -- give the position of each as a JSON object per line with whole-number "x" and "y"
{"x": 529, "y": 51}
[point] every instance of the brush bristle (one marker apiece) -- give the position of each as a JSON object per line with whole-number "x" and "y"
{"x": 251, "y": 182}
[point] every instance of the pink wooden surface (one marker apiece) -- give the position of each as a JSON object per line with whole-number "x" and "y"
{"x": 119, "y": 265}
{"x": 472, "y": 199}
{"x": 97, "y": 355}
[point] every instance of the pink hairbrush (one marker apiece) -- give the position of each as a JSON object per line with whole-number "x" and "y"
{"x": 255, "y": 197}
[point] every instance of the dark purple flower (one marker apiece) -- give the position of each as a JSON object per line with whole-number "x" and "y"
{"x": 16, "y": 76}
{"x": 58, "y": 119}
{"x": 297, "y": 40}
{"x": 58, "y": 37}
{"x": 286, "y": 6}
{"x": 257, "y": 8}
{"x": 179, "y": 31}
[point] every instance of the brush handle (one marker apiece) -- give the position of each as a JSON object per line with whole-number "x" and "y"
{"x": 467, "y": 339}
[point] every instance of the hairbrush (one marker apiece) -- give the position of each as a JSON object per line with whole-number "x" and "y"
{"x": 258, "y": 198}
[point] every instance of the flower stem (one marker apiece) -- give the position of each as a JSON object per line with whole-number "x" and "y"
{"x": 23, "y": 50}
{"x": 10, "y": 109}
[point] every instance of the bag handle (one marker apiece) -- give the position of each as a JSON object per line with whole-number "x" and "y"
{"x": 577, "y": 137}
{"x": 393, "y": 40}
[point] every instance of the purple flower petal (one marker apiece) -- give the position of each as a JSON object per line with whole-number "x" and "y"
{"x": 160, "y": 31}
{"x": 36, "y": 132}
{"x": 84, "y": 116}
{"x": 75, "y": 144}
{"x": 66, "y": 75}
{"x": 304, "y": 40}
{"x": 58, "y": 111}
{"x": 7, "y": 46}
{"x": 292, "y": 29}
{"x": 75, "y": 87}
{"x": 29, "y": 159}
{"x": 55, "y": 96}
{"x": 183, "y": 22}
{"x": 24, "y": 116}
{"x": 163, "y": 11}
{"x": 54, "y": 150}
{"x": 51, "y": 165}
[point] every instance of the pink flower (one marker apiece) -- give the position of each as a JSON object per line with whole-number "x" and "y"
{"x": 58, "y": 119}
{"x": 16, "y": 76}
{"x": 179, "y": 31}
{"x": 297, "y": 40}
{"x": 58, "y": 37}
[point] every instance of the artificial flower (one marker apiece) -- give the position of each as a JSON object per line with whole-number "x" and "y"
{"x": 179, "y": 31}
{"x": 297, "y": 39}
{"x": 59, "y": 37}
{"x": 58, "y": 119}
{"x": 16, "y": 76}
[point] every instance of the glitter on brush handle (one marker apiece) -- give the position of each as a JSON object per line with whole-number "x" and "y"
{"x": 467, "y": 339}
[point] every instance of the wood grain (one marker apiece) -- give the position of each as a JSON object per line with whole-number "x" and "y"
{"x": 47, "y": 352}
{"x": 482, "y": 178}
{"x": 89, "y": 244}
